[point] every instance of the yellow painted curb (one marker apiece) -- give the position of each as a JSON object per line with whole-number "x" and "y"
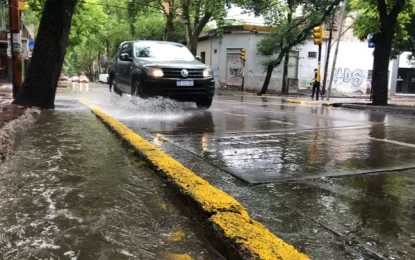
{"x": 244, "y": 237}
{"x": 211, "y": 199}
{"x": 254, "y": 238}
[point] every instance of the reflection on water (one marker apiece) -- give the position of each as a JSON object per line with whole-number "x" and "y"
{"x": 77, "y": 194}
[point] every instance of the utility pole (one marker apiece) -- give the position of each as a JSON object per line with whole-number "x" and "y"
{"x": 15, "y": 45}
{"x": 326, "y": 65}
{"x": 345, "y": 5}
{"x": 318, "y": 40}
{"x": 243, "y": 58}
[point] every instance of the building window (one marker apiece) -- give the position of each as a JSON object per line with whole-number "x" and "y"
{"x": 203, "y": 56}
{"x": 312, "y": 54}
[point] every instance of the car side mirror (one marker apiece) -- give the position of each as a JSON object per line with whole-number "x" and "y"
{"x": 198, "y": 58}
{"x": 126, "y": 57}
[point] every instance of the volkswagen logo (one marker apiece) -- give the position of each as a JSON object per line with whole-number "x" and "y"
{"x": 184, "y": 73}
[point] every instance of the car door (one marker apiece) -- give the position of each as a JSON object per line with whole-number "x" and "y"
{"x": 124, "y": 68}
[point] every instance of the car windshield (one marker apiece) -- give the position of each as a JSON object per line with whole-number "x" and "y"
{"x": 162, "y": 50}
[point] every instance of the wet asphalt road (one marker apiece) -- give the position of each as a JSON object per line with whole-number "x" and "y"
{"x": 320, "y": 178}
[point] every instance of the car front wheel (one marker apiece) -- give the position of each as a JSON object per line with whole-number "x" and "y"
{"x": 116, "y": 90}
{"x": 138, "y": 89}
{"x": 204, "y": 103}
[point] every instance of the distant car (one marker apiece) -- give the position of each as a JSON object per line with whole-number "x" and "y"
{"x": 168, "y": 69}
{"x": 83, "y": 79}
{"x": 75, "y": 79}
{"x": 64, "y": 82}
{"x": 103, "y": 78}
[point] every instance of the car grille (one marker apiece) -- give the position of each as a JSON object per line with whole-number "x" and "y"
{"x": 176, "y": 73}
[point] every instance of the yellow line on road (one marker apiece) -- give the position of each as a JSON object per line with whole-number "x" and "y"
{"x": 229, "y": 222}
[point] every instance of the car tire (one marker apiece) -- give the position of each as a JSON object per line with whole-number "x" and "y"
{"x": 137, "y": 89}
{"x": 116, "y": 90}
{"x": 204, "y": 103}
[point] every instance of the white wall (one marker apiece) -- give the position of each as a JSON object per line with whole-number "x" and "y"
{"x": 204, "y": 46}
{"x": 352, "y": 74}
{"x": 403, "y": 60}
{"x": 353, "y": 66}
{"x": 255, "y": 72}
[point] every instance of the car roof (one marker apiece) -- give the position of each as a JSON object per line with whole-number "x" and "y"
{"x": 151, "y": 41}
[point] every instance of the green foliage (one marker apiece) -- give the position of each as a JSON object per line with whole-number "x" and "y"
{"x": 288, "y": 33}
{"x": 368, "y": 22}
{"x": 152, "y": 28}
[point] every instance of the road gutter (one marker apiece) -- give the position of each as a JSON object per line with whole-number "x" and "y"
{"x": 227, "y": 224}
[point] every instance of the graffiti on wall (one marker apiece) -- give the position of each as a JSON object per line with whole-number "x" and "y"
{"x": 234, "y": 71}
{"x": 348, "y": 80}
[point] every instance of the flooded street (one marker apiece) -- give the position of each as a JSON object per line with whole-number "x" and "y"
{"x": 78, "y": 194}
{"x": 335, "y": 183}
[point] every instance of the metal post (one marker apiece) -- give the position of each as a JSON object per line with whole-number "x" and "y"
{"x": 15, "y": 45}
{"x": 345, "y": 4}
{"x": 326, "y": 65}
{"x": 319, "y": 72}
{"x": 243, "y": 76}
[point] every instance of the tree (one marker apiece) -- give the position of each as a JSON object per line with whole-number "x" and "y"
{"x": 39, "y": 88}
{"x": 291, "y": 9}
{"x": 388, "y": 21}
{"x": 202, "y": 11}
{"x": 287, "y": 33}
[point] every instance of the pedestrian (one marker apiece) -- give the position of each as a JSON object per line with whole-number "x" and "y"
{"x": 316, "y": 85}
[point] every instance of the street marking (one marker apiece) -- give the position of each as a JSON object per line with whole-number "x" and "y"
{"x": 281, "y": 122}
{"x": 392, "y": 142}
{"x": 235, "y": 114}
{"x": 228, "y": 219}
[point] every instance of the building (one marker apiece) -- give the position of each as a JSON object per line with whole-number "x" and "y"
{"x": 352, "y": 75}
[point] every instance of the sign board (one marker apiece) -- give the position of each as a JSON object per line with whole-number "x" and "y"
{"x": 371, "y": 44}
{"x": 17, "y": 44}
{"x": 31, "y": 44}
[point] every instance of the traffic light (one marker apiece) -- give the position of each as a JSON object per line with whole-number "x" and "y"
{"x": 243, "y": 54}
{"x": 318, "y": 35}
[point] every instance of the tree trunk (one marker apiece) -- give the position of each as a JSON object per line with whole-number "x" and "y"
{"x": 383, "y": 43}
{"x": 284, "y": 90}
{"x": 186, "y": 20}
{"x": 264, "y": 89}
{"x": 169, "y": 29}
{"x": 39, "y": 88}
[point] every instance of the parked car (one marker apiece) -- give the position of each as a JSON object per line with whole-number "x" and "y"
{"x": 83, "y": 79}
{"x": 64, "y": 82}
{"x": 154, "y": 68}
{"x": 103, "y": 78}
{"x": 75, "y": 79}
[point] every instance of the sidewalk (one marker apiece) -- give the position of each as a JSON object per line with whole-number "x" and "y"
{"x": 71, "y": 191}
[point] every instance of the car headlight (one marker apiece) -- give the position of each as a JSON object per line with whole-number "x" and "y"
{"x": 154, "y": 72}
{"x": 207, "y": 73}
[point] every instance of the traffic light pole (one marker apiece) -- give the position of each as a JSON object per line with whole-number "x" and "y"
{"x": 243, "y": 76}
{"x": 243, "y": 58}
{"x": 319, "y": 63}
{"x": 345, "y": 5}
{"x": 15, "y": 46}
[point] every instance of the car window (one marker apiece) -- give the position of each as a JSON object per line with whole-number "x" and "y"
{"x": 162, "y": 50}
{"x": 127, "y": 48}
